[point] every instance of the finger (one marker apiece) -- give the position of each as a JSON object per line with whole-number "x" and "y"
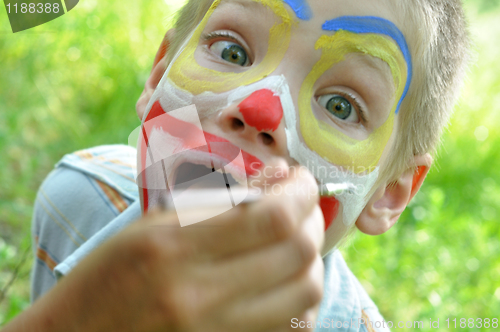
{"x": 307, "y": 321}
{"x": 315, "y": 227}
{"x": 257, "y": 271}
{"x": 312, "y": 314}
{"x": 278, "y": 306}
{"x": 304, "y": 322}
{"x": 275, "y": 217}
{"x": 275, "y": 170}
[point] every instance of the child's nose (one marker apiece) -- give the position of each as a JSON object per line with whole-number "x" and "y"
{"x": 262, "y": 110}
{"x": 257, "y": 118}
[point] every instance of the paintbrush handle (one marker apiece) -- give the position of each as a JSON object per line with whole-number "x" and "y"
{"x": 209, "y": 198}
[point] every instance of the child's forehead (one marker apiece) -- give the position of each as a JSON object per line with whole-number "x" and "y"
{"x": 317, "y": 17}
{"x": 321, "y": 19}
{"x": 319, "y": 10}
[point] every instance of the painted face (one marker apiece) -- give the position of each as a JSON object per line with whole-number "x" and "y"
{"x": 313, "y": 82}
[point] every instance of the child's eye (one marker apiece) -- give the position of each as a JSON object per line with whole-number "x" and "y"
{"x": 230, "y": 52}
{"x": 339, "y": 107}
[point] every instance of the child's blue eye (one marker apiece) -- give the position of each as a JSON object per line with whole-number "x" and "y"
{"x": 230, "y": 52}
{"x": 339, "y": 107}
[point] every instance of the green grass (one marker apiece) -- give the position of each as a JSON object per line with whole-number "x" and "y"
{"x": 66, "y": 85}
{"x": 73, "y": 83}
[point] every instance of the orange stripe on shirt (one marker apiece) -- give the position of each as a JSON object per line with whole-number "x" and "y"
{"x": 112, "y": 170}
{"x": 84, "y": 154}
{"x": 113, "y": 196}
{"x": 87, "y": 155}
{"x": 117, "y": 162}
{"x": 44, "y": 257}
{"x": 368, "y": 323}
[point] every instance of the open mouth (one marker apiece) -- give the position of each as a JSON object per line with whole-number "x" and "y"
{"x": 190, "y": 158}
{"x": 196, "y": 176}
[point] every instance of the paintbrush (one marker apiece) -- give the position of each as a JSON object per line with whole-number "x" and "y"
{"x": 212, "y": 198}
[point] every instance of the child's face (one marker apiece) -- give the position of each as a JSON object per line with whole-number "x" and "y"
{"x": 317, "y": 83}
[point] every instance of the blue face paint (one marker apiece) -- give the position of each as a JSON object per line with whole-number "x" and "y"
{"x": 372, "y": 24}
{"x": 301, "y": 8}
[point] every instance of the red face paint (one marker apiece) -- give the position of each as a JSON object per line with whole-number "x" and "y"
{"x": 262, "y": 110}
{"x": 162, "y": 52}
{"x": 330, "y": 208}
{"x": 188, "y": 132}
{"x": 190, "y": 135}
{"x": 416, "y": 176}
{"x": 252, "y": 163}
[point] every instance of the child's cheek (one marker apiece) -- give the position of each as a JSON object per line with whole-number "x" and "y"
{"x": 330, "y": 208}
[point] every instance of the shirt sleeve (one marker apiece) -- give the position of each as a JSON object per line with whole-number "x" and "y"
{"x": 85, "y": 192}
{"x": 346, "y": 306}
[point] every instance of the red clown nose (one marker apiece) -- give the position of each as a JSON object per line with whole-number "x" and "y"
{"x": 262, "y": 110}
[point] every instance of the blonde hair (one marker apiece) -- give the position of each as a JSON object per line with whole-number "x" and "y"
{"x": 438, "y": 38}
{"x": 188, "y": 19}
{"x": 436, "y": 32}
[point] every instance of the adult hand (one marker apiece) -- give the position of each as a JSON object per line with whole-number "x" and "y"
{"x": 253, "y": 268}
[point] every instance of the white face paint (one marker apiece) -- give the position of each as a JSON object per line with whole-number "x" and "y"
{"x": 207, "y": 104}
{"x": 176, "y": 103}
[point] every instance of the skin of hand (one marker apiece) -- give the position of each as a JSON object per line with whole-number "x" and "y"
{"x": 253, "y": 268}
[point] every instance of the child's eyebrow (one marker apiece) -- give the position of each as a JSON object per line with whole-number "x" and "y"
{"x": 373, "y": 24}
{"x": 377, "y": 66}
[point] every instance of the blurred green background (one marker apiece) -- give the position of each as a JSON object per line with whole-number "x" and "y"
{"x": 73, "y": 83}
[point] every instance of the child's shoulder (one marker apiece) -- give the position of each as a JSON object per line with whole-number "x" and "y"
{"x": 86, "y": 190}
{"x": 99, "y": 179}
{"x": 112, "y": 166}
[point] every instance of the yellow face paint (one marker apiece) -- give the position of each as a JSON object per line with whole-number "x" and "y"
{"x": 187, "y": 74}
{"x": 331, "y": 144}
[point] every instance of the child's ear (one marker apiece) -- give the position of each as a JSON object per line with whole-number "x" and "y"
{"x": 159, "y": 67}
{"x": 390, "y": 200}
